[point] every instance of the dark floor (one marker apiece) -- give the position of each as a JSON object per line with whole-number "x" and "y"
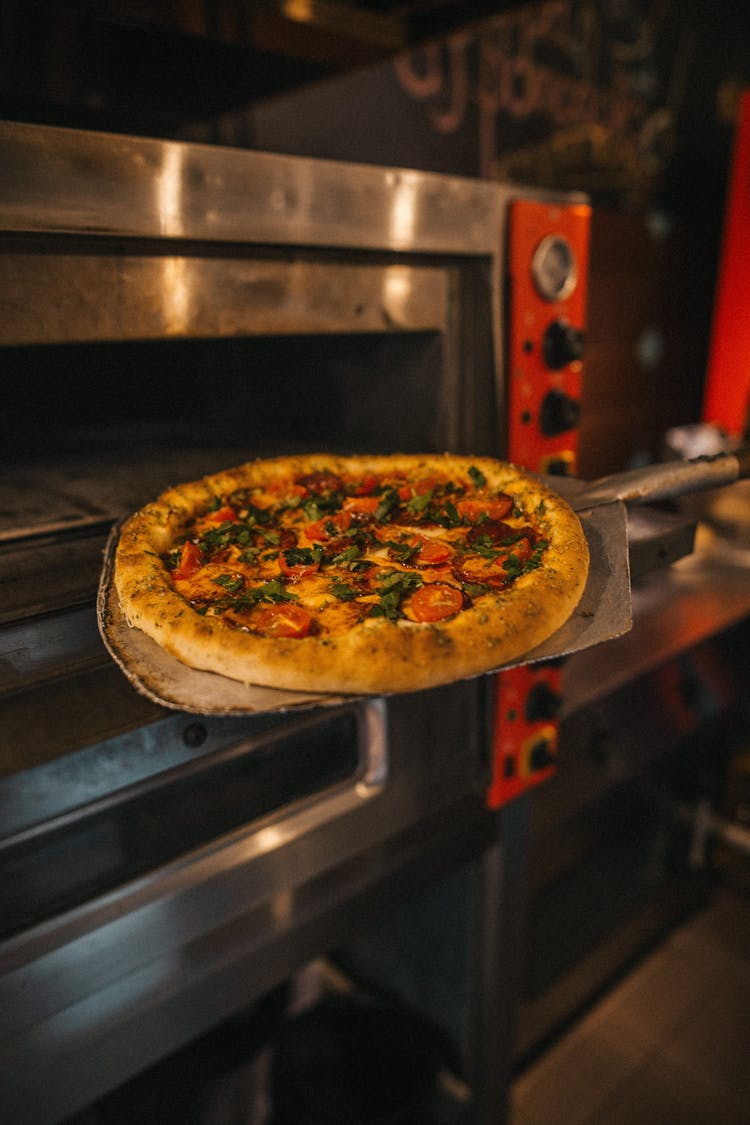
{"x": 669, "y": 1045}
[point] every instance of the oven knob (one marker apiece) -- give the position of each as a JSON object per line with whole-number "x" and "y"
{"x": 558, "y": 413}
{"x": 561, "y": 344}
{"x": 542, "y": 702}
{"x": 542, "y": 755}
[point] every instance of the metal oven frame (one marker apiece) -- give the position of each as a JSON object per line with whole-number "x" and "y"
{"x": 120, "y": 238}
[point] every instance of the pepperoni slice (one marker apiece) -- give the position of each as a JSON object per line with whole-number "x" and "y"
{"x": 492, "y": 533}
{"x": 321, "y": 481}
{"x": 286, "y": 620}
{"x": 287, "y": 539}
{"x": 436, "y": 601}
{"x": 191, "y": 560}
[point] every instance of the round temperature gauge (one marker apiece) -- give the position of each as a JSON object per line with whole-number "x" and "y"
{"x": 553, "y": 268}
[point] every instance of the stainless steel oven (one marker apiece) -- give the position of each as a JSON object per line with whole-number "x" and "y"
{"x": 168, "y": 310}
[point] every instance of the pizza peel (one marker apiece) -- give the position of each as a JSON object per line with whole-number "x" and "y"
{"x": 603, "y": 613}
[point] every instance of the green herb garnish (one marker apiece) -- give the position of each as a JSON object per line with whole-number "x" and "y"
{"x": 394, "y": 587}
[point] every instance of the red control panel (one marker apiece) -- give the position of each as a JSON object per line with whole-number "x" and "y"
{"x": 548, "y": 252}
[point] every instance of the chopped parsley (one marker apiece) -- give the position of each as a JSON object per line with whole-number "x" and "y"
{"x": 448, "y": 516}
{"x": 303, "y": 556}
{"x": 343, "y": 591}
{"x": 388, "y": 503}
{"x": 474, "y": 589}
{"x": 232, "y": 583}
{"x": 420, "y": 504}
{"x": 402, "y": 552}
{"x": 348, "y": 557}
{"x": 322, "y": 504}
{"x": 394, "y": 587}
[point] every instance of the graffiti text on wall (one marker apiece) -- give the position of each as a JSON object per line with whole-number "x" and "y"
{"x": 557, "y": 88}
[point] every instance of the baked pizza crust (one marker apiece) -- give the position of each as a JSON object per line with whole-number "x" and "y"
{"x": 376, "y": 656}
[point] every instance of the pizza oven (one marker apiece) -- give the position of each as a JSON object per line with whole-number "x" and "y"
{"x": 167, "y": 310}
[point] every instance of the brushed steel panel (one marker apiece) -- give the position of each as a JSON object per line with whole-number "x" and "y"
{"x": 57, "y": 298}
{"x": 66, "y": 180}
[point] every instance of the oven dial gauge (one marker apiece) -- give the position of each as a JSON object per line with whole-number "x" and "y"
{"x": 554, "y": 269}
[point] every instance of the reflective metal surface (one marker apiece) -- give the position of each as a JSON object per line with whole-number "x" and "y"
{"x": 124, "y": 297}
{"x": 148, "y": 965}
{"x": 87, "y": 183}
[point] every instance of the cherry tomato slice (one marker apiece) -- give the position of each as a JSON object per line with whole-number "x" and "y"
{"x": 367, "y": 485}
{"x": 361, "y": 508}
{"x": 521, "y": 550}
{"x": 295, "y": 571}
{"x": 431, "y": 553}
{"x": 285, "y": 620}
{"x": 321, "y": 530}
{"x": 223, "y": 515}
{"x": 190, "y": 562}
{"x": 436, "y": 601}
{"x": 476, "y": 508}
{"x": 288, "y": 491}
{"x": 417, "y": 488}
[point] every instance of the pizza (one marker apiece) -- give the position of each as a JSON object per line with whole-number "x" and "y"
{"x": 352, "y": 574}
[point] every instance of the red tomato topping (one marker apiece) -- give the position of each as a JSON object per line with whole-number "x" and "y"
{"x": 436, "y": 601}
{"x": 288, "y": 489}
{"x": 361, "y": 507}
{"x": 191, "y": 560}
{"x": 430, "y": 552}
{"x": 223, "y": 515}
{"x": 321, "y": 530}
{"x": 521, "y": 550}
{"x": 476, "y": 508}
{"x": 295, "y": 571}
{"x": 418, "y": 488}
{"x": 285, "y": 620}
{"x": 367, "y": 485}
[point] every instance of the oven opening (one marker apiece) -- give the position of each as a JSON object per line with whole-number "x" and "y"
{"x": 96, "y": 429}
{"x": 95, "y": 849}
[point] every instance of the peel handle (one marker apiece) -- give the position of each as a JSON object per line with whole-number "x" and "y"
{"x": 666, "y": 480}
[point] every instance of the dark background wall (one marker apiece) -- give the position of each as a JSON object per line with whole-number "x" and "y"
{"x": 631, "y": 102}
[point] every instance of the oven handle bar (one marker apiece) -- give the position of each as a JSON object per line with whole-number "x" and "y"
{"x": 372, "y": 735}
